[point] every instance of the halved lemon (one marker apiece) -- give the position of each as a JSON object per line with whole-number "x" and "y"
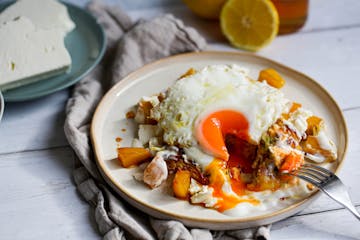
{"x": 249, "y": 24}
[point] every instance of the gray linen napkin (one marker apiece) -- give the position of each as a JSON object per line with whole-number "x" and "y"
{"x": 129, "y": 46}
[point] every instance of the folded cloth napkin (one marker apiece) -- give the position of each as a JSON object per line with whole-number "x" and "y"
{"x": 129, "y": 46}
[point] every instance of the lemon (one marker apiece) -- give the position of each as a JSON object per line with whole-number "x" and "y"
{"x": 249, "y": 24}
{"x": 209, "y": 9}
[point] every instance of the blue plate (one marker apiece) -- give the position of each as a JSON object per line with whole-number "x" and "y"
{"x": 86, "y": 45}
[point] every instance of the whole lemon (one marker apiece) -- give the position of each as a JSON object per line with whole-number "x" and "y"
{"x": 209, "y": 9}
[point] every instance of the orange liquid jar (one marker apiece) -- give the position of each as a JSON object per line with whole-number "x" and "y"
{"x": 292, "y": 14}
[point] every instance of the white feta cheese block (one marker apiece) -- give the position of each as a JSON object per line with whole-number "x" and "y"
{"x": 28, "y": 54}
{"x": 46, "y": 14}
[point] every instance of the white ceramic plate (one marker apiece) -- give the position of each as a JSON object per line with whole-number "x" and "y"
{"x": 109, "y": 121}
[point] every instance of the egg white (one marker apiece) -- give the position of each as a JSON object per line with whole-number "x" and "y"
{"x": 228, "y": 87}
{"x": 214, "y": 88}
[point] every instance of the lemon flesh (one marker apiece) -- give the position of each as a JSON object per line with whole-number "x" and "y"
{"x": 249, "y": 24}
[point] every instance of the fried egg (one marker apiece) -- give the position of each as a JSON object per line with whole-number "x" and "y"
{"x": 202, "y": 108}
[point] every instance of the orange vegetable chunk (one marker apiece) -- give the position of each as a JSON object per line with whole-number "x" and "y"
{"x": 181, "y": 184}
{"x": 314, "y": 125}
{"x": 295, "y": 106}
{"x": 272, "y": 77}
{"x": 129, "y": 156}
{"x": 292, "y": 162}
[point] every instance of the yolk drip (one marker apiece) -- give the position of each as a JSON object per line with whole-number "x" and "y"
{"x": 211, "y": 135}
{"x": 216, "y": 126}
{"x": 218, "y": 176}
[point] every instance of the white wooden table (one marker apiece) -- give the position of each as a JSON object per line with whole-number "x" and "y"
{"x": 38, "y": 198}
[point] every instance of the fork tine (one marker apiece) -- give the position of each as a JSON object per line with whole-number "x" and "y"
{"x": 310, "y": 174}
{"x": 309, "y": 169}
{"x": 320, "y": 169}
{"x": 331, "y": 185}
{"x": 307, "y": 179}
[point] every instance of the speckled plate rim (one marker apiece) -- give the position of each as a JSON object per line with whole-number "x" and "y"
{"x": 75, "y": 80}
{"x": 198, "y": 221}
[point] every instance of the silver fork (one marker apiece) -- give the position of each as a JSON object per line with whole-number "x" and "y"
{"x": 327, "y": 182}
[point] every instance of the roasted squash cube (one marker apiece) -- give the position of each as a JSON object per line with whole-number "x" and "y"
{"x": 181, "y": 184}
{"x": 272, "y": 77}
{"x": 314, "y": 125}
{"x": 129, "y": 156}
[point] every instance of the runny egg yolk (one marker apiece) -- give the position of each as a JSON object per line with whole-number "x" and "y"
{"x": 218, "y": 177}
{"x": 212, "y": 130}
{"x": 211, "y": 133}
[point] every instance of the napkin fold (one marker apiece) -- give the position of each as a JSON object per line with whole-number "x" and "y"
{"x": 129, "y": 46}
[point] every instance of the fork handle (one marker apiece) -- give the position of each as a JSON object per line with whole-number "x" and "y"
{"x": 348, "y": 205}
{"x": 353, "y": 210}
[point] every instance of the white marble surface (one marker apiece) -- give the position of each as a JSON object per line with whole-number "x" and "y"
{"x": 39, "y": 201}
